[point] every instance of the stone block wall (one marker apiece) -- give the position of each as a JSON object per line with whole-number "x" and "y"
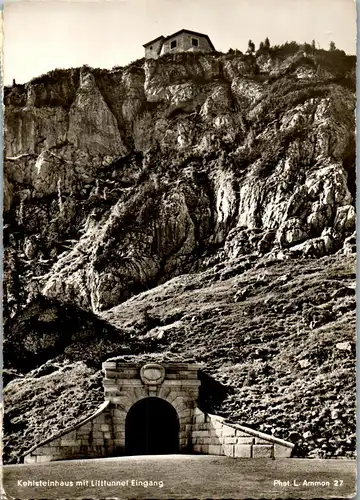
{"x": 183, "y": 41}
{"x": 214, "y": 436}
{"x": 93, "y": 437}
{"x": 203, "y": 46}
{"x": 153, "y": 51}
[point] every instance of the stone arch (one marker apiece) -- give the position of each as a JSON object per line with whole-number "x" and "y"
{"x": 152, "y": 427}
{"x": 125, "y": 384}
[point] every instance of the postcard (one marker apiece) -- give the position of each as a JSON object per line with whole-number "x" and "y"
{"x": 179, "y": 249}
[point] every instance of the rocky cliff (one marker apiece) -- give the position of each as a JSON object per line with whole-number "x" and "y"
{"x": 116, "y": 182}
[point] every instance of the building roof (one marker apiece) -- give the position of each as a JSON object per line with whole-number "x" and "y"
{"x": 153, "y": 41}
{"x": 178, "y": 33}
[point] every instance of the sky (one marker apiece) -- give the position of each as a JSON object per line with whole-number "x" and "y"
{"x": 41, "y": 35}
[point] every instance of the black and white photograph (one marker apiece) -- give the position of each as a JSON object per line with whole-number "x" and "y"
{"x": 179, "y": 249}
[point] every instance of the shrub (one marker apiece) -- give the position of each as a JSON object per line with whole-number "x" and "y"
{"x": 53, "y": 75}
{"x": 251, "y": 47}
{"x": 285, "y": 50}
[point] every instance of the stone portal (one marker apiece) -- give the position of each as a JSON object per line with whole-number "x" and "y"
{"x": 155, "y": 400}
{"x": 152, "y": 408}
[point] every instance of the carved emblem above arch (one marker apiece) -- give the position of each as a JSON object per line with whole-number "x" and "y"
{"x": 152, "y": 374}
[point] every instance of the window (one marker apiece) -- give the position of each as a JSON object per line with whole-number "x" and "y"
{"x": 151, "y": 47}
{"x": 195, "y": 42}
{"x": 173, "y": 44}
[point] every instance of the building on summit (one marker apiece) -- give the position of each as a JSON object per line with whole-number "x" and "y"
{"x": 181, "y": 41}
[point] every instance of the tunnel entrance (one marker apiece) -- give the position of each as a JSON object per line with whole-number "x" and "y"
{"x": 151, "y": 428}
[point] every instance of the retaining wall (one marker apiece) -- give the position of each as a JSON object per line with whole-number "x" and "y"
{"x": 90, "y": 438}
{"x": 214, "y": 436}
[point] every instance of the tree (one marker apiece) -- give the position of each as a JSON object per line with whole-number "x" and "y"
{"x": 313, "y": 45}
{"x": 267, "y": 43}
{"x": 332, "y": 46}
{"x": 261, "y": 47}
{"x": 251, "y": 47}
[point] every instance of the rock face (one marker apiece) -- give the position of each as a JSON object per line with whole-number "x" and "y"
{"x": 118, "y": 180}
